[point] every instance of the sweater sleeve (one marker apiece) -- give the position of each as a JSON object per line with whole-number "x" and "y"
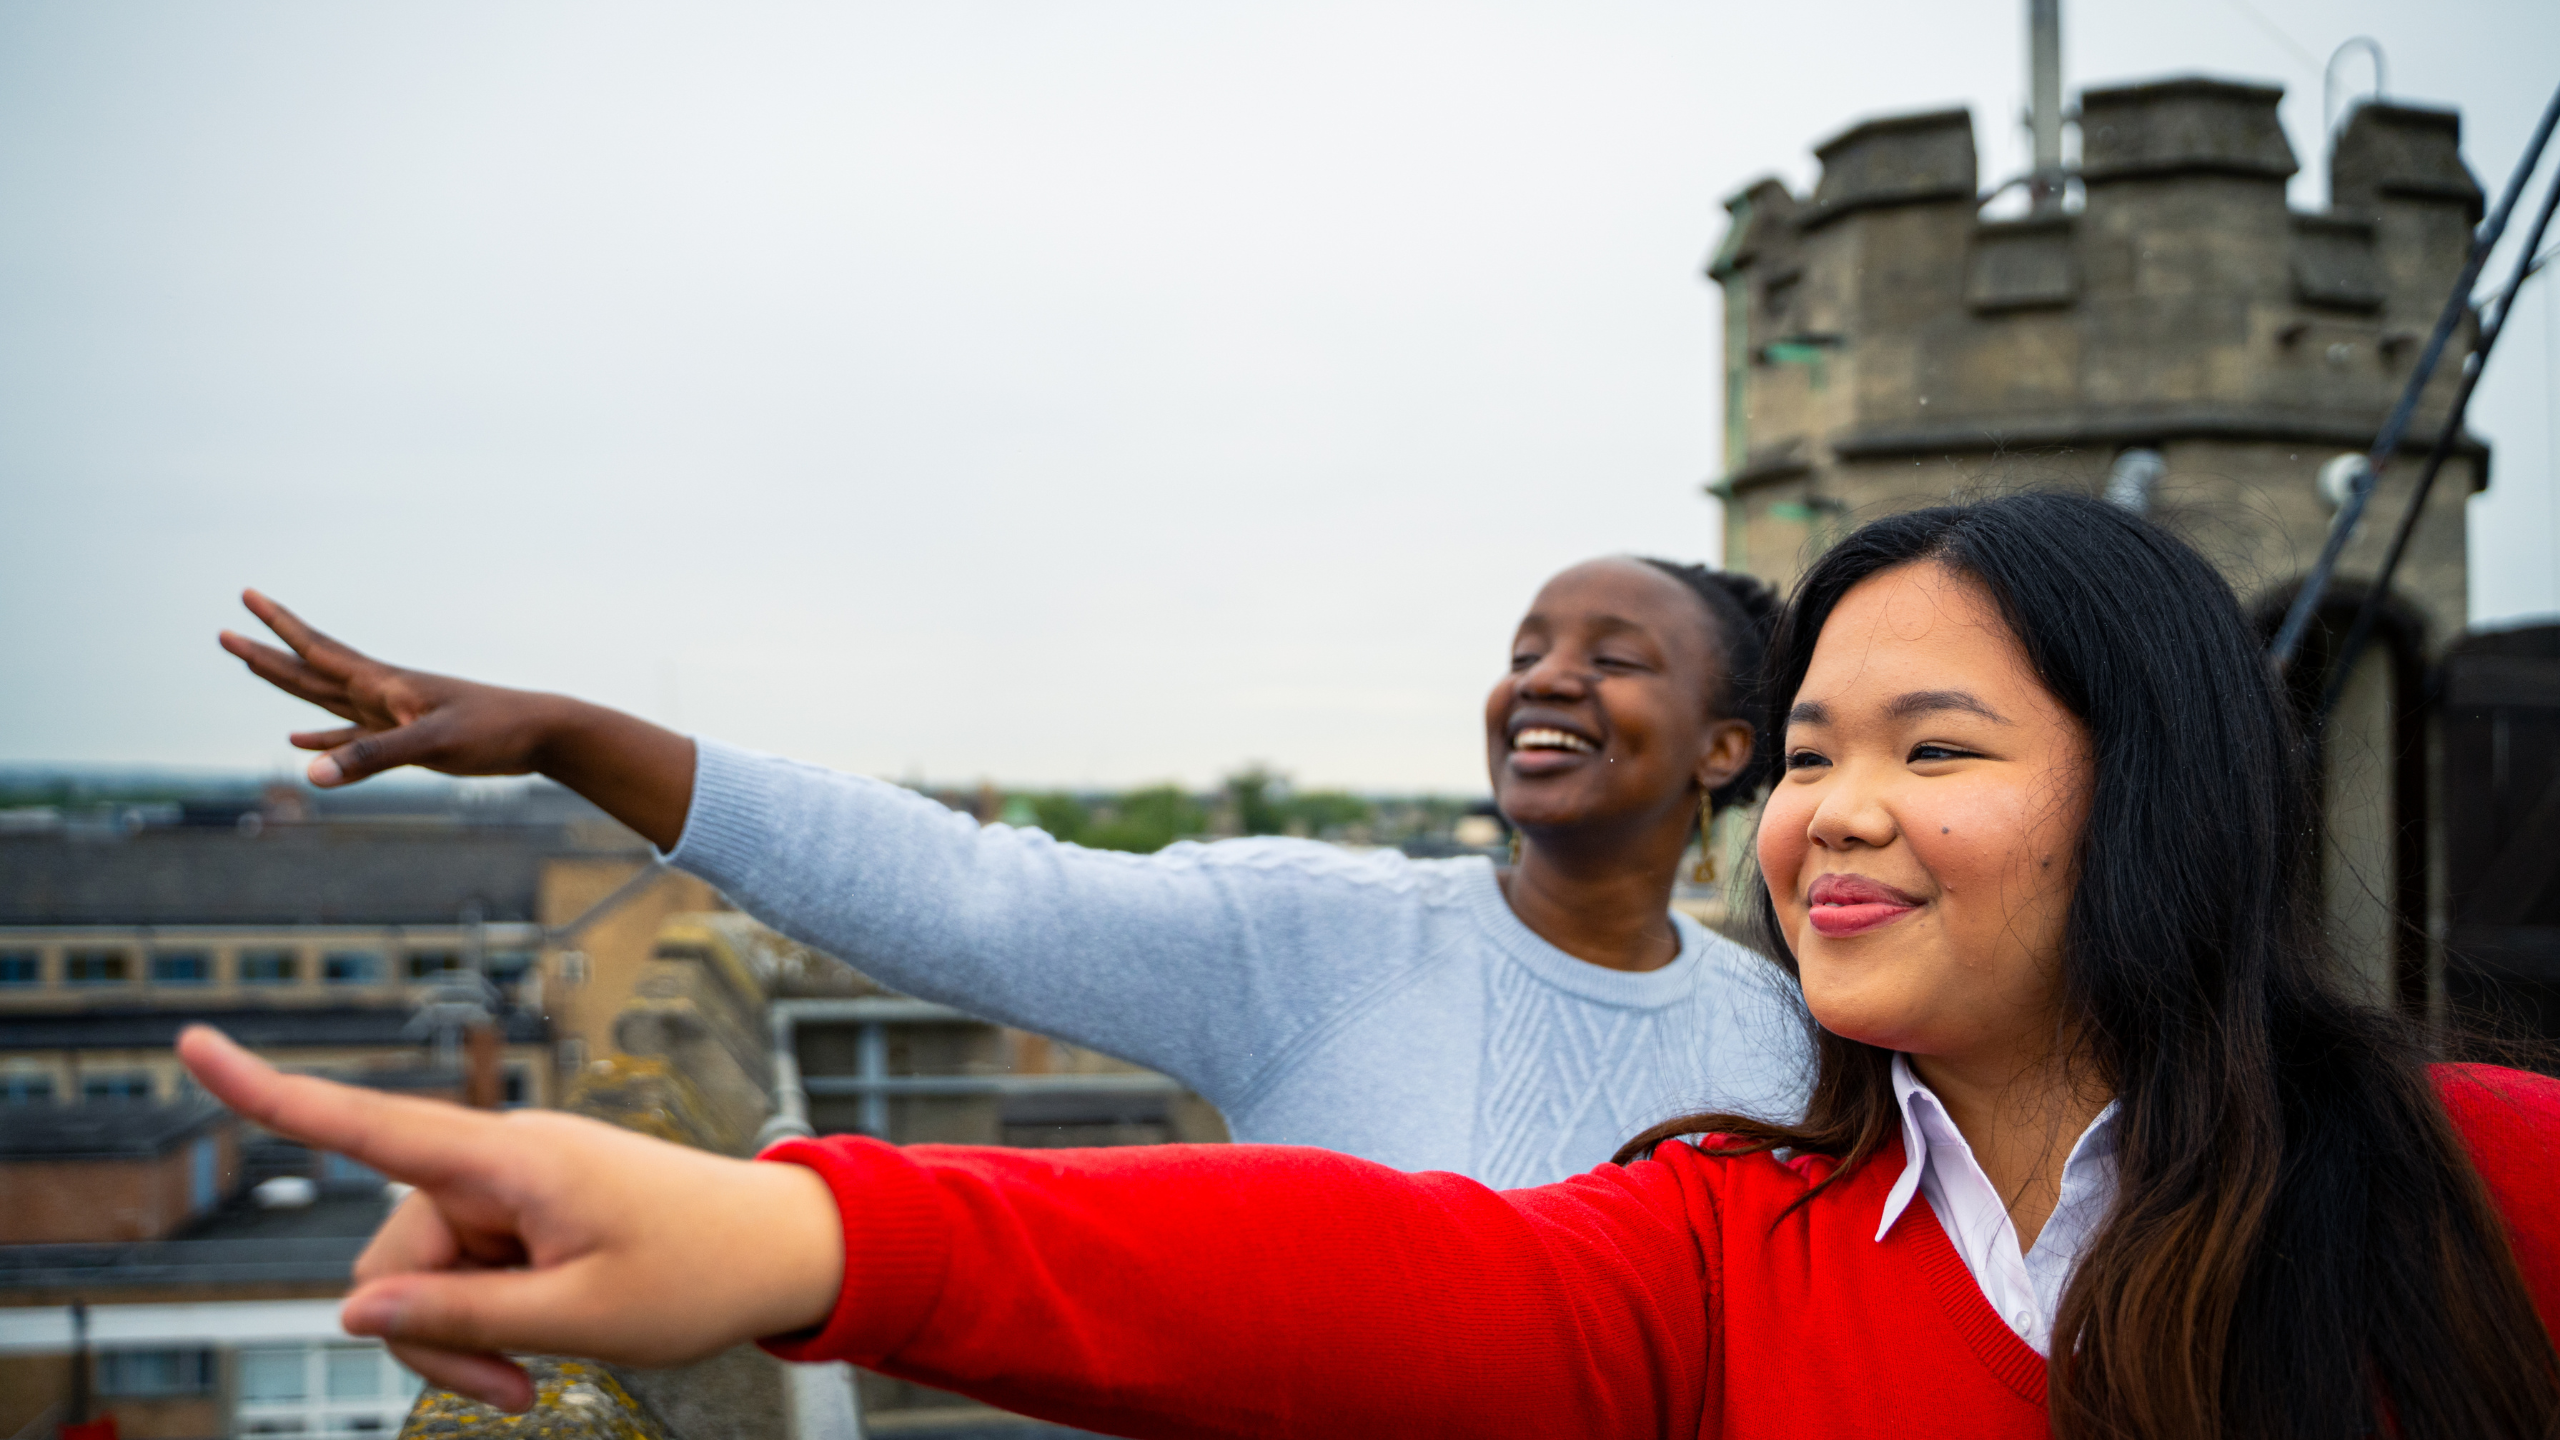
{"x": 1273, "y": 1291}
{"x": 1200, "y": 960}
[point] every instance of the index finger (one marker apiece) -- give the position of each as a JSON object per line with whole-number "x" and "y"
{"x": 423, "y": 1142}
{"x": 308, "y": 643}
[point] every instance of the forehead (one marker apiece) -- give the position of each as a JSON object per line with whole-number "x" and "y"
{"x": 1629, "y": 591}
{"x": 1917, "y": 627}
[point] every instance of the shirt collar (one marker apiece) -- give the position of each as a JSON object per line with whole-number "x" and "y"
{"x": 1923, "y": 1115}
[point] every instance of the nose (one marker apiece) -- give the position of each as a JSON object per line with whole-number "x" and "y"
{"x": 1852, "y": 812}
{"x": 1555, "y": 676}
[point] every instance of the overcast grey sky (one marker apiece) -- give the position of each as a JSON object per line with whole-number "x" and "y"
{"x": 1070, "y": 392}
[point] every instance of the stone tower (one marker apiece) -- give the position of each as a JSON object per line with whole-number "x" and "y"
{"x": 2182, "y": 341}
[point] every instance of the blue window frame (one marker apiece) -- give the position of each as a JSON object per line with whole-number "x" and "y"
{"x": 155, "y": 1372}
{"x": 269, "y": 967}
{"x": 24, "y": 1089}
{"x": 182, "y": 967}
{"x": 21, "y": 967}
{"x": 97, "y": 967}
{"x": 351, "y": 967}
{"x": 127, "y": 1085}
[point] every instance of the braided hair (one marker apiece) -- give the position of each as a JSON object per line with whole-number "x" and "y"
{"x": 1744, "y": 614}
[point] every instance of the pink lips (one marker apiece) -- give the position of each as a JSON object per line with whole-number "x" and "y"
{"x": 1853, "y": 904}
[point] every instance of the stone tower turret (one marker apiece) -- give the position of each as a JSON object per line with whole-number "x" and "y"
{"x": 2183, "y": 342}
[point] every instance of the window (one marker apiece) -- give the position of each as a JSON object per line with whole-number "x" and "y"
{"x": 269, "y": 967}
{"x": 355, "y": 1374}
{"x": 573, "y": 967}
{"x": 155, "y": 1372}
{"x": 21, "y": 967}
{"x": 128, "y": 1085}
{"x": 269, "y": 1377}
{"x": 519, "y": 1087}
{"x": 339, "y": 1172}
{"x": 182, "y": 967}
{"x": 428, "y": 964}
{"x": 351, "y": 967}
{"x": 336, "y": 1389}
{"x": 204, "y": 1175}
{"x": 96, "y": 967}
{"x": 22, "y": 1088}
{"x": 573, "y": 1054}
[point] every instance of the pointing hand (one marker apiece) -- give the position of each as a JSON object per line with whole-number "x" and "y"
{"x": 540, "y": 1232}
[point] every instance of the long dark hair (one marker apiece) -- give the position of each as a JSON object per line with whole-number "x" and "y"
{"x": 2299, "y": 1245}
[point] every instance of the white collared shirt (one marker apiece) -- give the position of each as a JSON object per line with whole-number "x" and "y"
{"x": 2024, "y": 1288}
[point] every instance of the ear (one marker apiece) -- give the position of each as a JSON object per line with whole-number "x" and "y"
{"x": 1724, "y": 751}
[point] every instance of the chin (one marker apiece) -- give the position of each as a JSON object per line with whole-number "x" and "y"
{"x": 1869, "y": 1014}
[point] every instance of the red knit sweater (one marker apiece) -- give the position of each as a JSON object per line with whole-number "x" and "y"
{"x": 1266, "y": 1290}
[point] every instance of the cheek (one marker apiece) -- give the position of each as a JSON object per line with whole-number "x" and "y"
{"x": 2002, "y": 847}
{"x": 1784, "y": 820}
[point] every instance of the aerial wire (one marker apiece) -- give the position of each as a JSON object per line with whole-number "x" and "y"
{"x": 2492, "y": 325}
{"x": 2387, "y": 443}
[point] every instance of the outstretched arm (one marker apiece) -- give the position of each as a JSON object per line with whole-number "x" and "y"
{"x": 640, "y": 774}
{"x": 1213, "y": 1290}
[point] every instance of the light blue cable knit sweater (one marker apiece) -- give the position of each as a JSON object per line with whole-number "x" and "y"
{"x": 1392, "y": 1008}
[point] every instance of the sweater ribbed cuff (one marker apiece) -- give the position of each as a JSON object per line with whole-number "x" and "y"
{"x": 897, "y": 1249}
{"x": 728, "y": 816}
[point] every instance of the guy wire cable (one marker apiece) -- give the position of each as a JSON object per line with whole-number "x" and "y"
{"x": 2298, "y": 619}
{"x": 2493, "y": 324}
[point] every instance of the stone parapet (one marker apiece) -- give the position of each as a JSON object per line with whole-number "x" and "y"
{"x": 1897, "y": 160}
{"x": 2186, "y": 126}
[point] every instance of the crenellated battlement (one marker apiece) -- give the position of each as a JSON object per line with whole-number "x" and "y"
{"x": 1887, "y": 345}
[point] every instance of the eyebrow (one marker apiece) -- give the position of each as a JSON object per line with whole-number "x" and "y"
{"x": 1922, "y": 702}
{"x": 1904, "y": 707}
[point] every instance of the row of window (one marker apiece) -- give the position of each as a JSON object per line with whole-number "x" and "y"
{"x": 180, "y": 968}
{"x": 25, "y": 1087}
{"x": 36, "y": 1088}
{"x": 334, "y": 1389}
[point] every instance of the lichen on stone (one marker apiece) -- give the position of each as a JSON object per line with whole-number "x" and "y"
{"x": 573, "y": 1400}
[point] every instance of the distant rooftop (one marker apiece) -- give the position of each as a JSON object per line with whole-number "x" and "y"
{"x": 284, "y": 874}
{"x": 101, "y": 1129}
{"x": 241, "y": 1243}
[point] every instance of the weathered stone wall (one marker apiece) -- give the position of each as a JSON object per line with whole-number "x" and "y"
{"x": 1889, "y": 348}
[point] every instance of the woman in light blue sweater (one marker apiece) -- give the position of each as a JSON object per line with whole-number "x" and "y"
{"x": 1513, "y": 1025}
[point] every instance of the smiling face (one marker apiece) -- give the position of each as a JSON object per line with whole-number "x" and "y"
{"x": 1605, "y": 716}
{"x": 1919, "y": 843}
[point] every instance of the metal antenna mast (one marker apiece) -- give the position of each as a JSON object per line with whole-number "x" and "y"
{"x": 2044, "y": 104}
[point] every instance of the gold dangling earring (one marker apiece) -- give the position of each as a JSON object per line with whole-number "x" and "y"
{"x": 1515, "y": 849}
{"x": 1704, "y": 872}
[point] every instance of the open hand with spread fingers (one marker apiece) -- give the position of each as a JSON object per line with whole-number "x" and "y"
{"x": 638, "y": 772}
{"x": 539, "y": 1232}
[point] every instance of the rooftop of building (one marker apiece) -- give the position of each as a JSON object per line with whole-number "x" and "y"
{"x": 317, "y": 874}
{"x": 276, "y": 1027}
{"x": 241, "y": 1243}
{"x": 102, "y": 1129}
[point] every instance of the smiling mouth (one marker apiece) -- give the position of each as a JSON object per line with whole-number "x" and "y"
{"x": 1540, "y": 737}
{"x": 1844, "y": 905}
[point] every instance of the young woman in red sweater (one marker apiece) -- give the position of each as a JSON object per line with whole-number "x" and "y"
{"x": 2098, "y": 1147}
